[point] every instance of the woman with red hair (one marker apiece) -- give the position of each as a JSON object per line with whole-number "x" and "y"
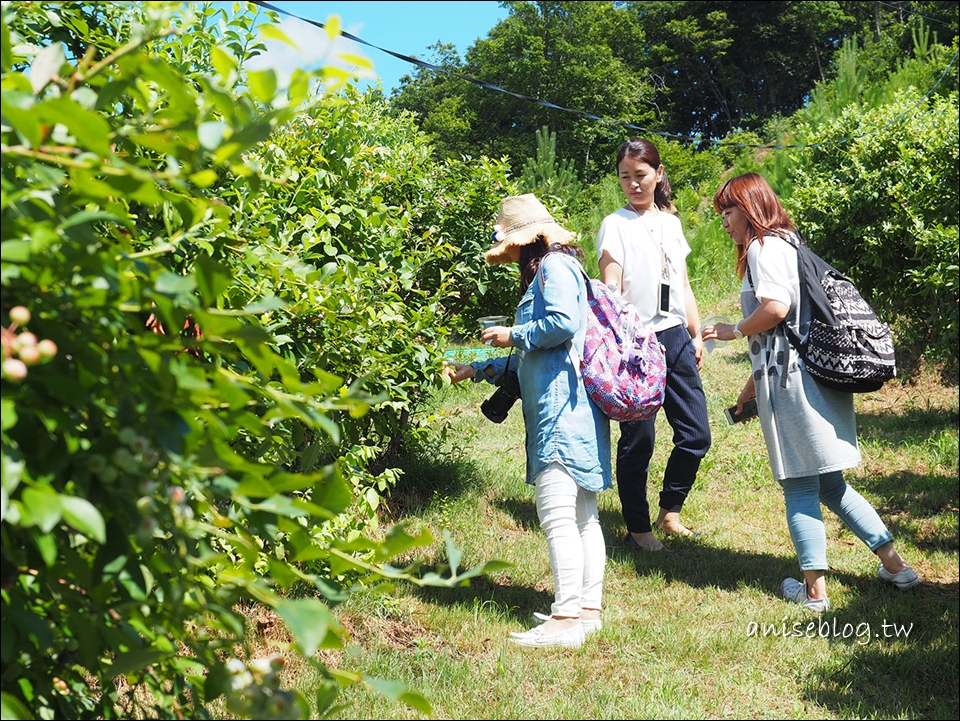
{"x": 810, "y": 430}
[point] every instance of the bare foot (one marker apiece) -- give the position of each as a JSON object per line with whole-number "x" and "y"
{"x": 673, "y": 529}
{"x": 647, "y": 541}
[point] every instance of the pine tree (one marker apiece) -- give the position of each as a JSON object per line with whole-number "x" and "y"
{"x": 544, "y": 175}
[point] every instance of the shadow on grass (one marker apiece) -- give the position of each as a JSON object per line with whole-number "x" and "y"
{"x": 903, "y": 659}
{"x": 513, "y": 602}
{"x": 904, "y": 424}
{"x": 426, "y": 474}
{"x": 913, "y": 675}
{"x": 909, "y": 497}
{"x": 905, "y": 665}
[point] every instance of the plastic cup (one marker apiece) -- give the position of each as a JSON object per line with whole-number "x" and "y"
{"x": 713, "y": 320}
{"x": 488, "y": 321}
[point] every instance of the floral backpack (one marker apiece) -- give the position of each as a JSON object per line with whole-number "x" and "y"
{"x": 624, "y": 368}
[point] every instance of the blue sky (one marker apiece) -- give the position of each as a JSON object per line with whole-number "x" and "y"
{"x": 407, "y": 28}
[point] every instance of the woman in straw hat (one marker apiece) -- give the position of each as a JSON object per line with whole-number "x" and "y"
{"x": 567, "y": 437}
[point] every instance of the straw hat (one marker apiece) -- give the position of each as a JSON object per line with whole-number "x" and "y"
{"x": 521, "y": 219}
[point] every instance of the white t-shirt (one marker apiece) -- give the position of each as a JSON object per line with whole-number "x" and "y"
{"x": 808, "y": 429}
{"x": 647, "y": 248}
{"x": 773, "y": 268}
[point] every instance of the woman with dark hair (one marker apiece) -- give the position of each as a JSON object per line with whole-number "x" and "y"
{"x": 567, "y": 437}
{"x": 810, "y": 430}
{"x": 642, "y": 253}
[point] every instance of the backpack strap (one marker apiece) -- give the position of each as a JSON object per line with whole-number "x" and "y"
{"x": 792, "y": 338}
{"x": 571, "y": 351}
{"x": 799, "y": 337}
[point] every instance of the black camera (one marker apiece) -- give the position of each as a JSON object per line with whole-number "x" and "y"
{"x": 497, "y": 406}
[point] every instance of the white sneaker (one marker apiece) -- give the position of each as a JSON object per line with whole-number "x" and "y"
{"x": 904, "y": 579}
{"x": 573, "y": 637}
{"x": 796, "y": 592}
{"x": 590, "y": 626}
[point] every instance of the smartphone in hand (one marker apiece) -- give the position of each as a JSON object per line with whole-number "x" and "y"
{"x": 749, "y": 411}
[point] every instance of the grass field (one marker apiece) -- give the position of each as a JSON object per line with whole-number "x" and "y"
{"x": 703, "y": 634}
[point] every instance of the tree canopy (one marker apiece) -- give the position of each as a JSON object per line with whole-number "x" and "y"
{"x": 690, "y": 70}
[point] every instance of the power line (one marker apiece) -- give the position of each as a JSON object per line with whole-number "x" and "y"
{"x": 526, "y": 98}
{"x": 911, "y": 11}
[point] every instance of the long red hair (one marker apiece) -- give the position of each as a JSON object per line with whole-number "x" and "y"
{"x": 752, "y": 195}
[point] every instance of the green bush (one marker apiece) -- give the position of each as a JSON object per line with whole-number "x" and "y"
{"x": 198, "y": 371}
{"x": 877, "y": 196}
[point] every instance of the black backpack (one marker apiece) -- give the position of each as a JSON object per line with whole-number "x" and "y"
{"x": 843, "y": 344}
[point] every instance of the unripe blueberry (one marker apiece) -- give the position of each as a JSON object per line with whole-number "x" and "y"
{"x": 47, "y": 348}
{"x": 19, "y": 315}
{"x": 14, "y": 369}
{"x": 30, "y": 355}
{"x": 125, "y": 460}
{"x": 96, "y": 463}
{"x": 126, "y": 435}
{"x": 146, "y": 505}
{"x": 146, "y": 529}
{"x": 24, "y": 340}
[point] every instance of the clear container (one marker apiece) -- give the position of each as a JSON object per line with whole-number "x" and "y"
{"x": 713, "y": 320}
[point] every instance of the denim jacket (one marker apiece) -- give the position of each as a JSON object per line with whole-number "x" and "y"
{"x": 562, "y": 423}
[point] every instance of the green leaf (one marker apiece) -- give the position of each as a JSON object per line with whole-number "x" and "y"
{"x": 91, "y": 216}
{"x": 272, "y": 32}
{"x": 332, "y": 27}
{"x": 204, "y": 179}
{"x": 13, "y": 707}
{"x": 453, "y": 553}
{"x": 263, "y": 84}
{"x": 218, "y": 682}
{"x": 132, "y": 661}
{"x": 46, "y": 66}
{"x": 15, "y": 251}
{"x": 223, "y": 61}
{"x": 399, "y": 541}
{"x": 44, "y": 506}
{"x": 308, "y": 621}
{"x": 18, "y": 115}
{"x": 397, "y": 691}
{"x": 212, "y": 279}
{"x": 211, "y": 134}
{"x": 84, "y": 517}
{"x": 173, "y": 284}
{"x": 90, "y": 129}
{"x": 6, "y": 61}
{"x": 8, "y": 414}
{"x": 46, "y": 545}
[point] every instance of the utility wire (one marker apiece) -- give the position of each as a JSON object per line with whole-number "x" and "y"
{"x": 688, "y": 138}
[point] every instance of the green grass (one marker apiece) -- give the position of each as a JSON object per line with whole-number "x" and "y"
{"x": 677, "y": 639}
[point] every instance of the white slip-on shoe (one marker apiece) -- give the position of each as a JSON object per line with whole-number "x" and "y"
{"x": 589, "y": 626}
{"x": 796, "y": 592}
{"x": 904, "y": 579}
{"x": 573, "y": 637}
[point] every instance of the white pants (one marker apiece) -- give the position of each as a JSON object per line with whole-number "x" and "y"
{"x": 569, "y": 518}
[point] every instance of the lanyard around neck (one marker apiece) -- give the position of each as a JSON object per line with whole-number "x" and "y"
{"x": 664, "y": 258}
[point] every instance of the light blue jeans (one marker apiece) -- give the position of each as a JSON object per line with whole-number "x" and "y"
{"x": 805, "y": 521}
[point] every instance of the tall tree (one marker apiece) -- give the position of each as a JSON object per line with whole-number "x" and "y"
{"x": 733, "y": 64}
{"x": 579, "y": 56}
